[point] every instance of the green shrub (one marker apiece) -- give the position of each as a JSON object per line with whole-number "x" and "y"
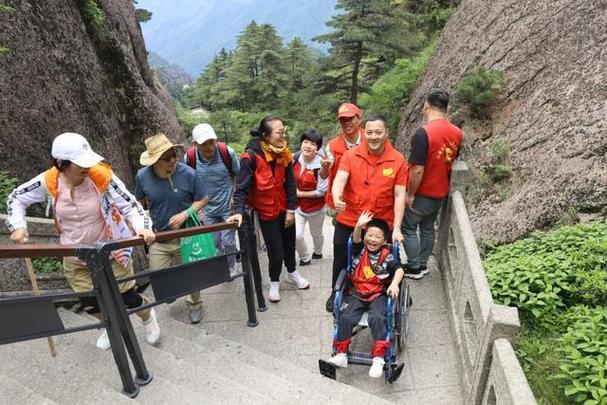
{"x": 583, "y": 350}
{"x": 94, "y": 18}
{"x": 550, "y": 271}
{"x": 498, "y": 173}
{"x": 477, "y": 90}
{"x": 47, "y": 265}
{"x": 7, "y": 184}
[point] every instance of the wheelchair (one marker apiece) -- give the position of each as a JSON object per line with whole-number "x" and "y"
{"x": 397, "y": 312}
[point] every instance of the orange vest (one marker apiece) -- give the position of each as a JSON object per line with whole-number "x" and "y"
{"x": 268, "y": 195}
{"x": 370, "y": 185}
{"x": 307, "y": 181}
{"x": 367, "y": 286}
{"x": 338, "y": 147}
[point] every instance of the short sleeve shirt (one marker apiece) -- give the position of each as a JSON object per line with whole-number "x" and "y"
{"x": 168, "y": 197}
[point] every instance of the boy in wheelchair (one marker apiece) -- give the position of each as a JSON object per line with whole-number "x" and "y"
{"x": 375, "y": 273}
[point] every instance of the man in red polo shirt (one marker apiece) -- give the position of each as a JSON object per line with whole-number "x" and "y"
{"x": 351, "y": 135}
{"x": 434, "y": 147}
{"x": 371, "y": 177}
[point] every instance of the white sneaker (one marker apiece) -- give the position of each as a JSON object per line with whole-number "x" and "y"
{"x": 274, "y": 295}
{"x": 104, "y": 341}
{"x": 377, "y": 369}
{"x": 339, "y": 360}
{"x": 152, "y": 329}
{"x": 296, "y": 278}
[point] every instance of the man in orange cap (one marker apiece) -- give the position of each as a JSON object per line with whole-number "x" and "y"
{"x": 351, "y": 135}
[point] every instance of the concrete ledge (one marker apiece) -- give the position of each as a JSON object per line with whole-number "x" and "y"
{"x": 475, "y": 319}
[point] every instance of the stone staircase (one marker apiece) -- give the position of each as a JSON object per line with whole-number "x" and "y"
{"x": 189, "y": 367}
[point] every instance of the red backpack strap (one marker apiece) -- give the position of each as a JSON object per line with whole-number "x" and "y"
{"x": 224, "y": 153}
{"x": 191, "y": 157}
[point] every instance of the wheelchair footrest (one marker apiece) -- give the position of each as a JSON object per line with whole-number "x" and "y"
{"x": 327, "y": 369}
{"x": 361, "y": 359}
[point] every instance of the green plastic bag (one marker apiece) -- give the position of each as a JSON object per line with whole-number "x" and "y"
{"x": 196, "y": 247}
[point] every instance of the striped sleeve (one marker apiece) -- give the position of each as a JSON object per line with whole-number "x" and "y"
{"x": 128, "y": 205}
{"x": 33, "y": 191}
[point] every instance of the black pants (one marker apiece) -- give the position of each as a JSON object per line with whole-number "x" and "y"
{"x": 280, "y": 244}
{"x": 352, "y": 310}
{"x": 340, "y": 249}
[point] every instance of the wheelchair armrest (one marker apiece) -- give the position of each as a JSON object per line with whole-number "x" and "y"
{"x": 341, "y": 280}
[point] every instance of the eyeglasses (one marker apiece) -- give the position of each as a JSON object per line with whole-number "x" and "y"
{"x": 169, "y": 155}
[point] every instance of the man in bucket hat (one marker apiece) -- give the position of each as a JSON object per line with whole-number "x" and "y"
{"x": 169, "y": 189}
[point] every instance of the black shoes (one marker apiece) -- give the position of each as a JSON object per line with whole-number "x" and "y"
{"x": 315, "y": 256}
{"x": 302, "y": 263}
{"x": 416, "y": 274}
{"x": 329, "y": 306}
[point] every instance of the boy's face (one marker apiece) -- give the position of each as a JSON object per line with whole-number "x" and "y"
{"x": 374, "y": 239}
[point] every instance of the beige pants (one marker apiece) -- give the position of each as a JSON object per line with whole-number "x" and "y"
{"x": 163, "y": 255}
{"x": 79, "y": 279}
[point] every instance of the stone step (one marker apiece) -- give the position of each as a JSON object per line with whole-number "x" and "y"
{"x": 176, "y": 380}
{"x": 13, "y": 392}
{"x": 222, "y": 348}
{"x": 75, "y": 376}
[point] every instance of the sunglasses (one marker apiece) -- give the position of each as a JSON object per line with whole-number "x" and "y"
{"x": 169, "y": 155}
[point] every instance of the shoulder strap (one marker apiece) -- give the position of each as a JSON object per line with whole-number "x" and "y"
{"x": 191, "y": 157}
{"x": 252, "y": 157}
{"x": 296, "y": 156}
{"x": 224, "y": 153}
{"x": 50, "y": 180}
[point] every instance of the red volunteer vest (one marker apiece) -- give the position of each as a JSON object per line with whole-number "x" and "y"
{"x": 367, "y": 286}
{"x": 338, "y": 148}
{"x": 444, "y": 140}
{"x": 371, "y": 185}
{"x": 307, "y": 181}
{"x": 268, "y": 195}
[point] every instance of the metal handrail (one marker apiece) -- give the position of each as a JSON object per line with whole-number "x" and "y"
{"x": 59, "y": 250}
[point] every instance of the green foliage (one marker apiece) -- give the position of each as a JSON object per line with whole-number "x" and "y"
{"x": 187, "y": 120}
{"x": 548, "y": 272}
{"x": 391, "y": 91}
{"x": 94, "y": 18}
{"x": 7, "y": 184}
{"x": 477, "y": 90}
{"x": 497, "y": 172}
{"x": 5, "y": 8}
{"x": 583, "y": 350}
{"x": 46, "y": 265}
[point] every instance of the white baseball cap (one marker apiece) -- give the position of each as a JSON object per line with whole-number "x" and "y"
{"x": 202, "y": 133}
{"x": 76, "y": 149}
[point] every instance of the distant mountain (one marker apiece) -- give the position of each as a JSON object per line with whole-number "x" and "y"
{"x": 190, "y": 32}
{"x": 171, "y": 75}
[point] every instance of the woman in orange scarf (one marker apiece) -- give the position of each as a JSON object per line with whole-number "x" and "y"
{"x": 266, "y": 182}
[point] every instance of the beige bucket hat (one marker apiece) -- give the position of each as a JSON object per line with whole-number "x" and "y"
{"x": 155, "y": 146}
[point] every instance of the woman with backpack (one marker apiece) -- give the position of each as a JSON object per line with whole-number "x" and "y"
{"x": 311, "y": 191}
{"x": 266, "y": 183}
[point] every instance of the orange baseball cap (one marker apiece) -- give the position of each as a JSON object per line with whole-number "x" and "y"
{"x": 347, "y": 110}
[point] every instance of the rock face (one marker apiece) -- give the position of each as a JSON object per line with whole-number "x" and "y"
{"x": 77, "y": 66}
{"x": 552, "y": 113}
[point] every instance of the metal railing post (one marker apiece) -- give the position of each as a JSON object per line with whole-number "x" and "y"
{"x": 247, "y": 278}
{"x": 251, "y": 241}
{"x": 109, "y": 309}
{"x": 143, "y": 376}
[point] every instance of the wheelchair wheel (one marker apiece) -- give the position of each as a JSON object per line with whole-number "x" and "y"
{"x": 402, "y": 316}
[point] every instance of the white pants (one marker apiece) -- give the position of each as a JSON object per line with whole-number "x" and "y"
{"x": 315, "y": 222}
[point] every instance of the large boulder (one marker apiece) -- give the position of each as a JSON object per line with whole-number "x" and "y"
{"x": 77, "y": 66}
{"x": 552, "y": 114}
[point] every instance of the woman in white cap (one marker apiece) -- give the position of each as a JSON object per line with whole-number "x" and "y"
{"x": 89, "y": 203}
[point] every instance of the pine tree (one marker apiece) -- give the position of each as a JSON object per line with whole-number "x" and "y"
{"x": 365, "y": 32}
